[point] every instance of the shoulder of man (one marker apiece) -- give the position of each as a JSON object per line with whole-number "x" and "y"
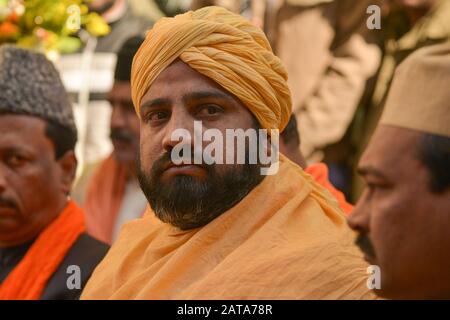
{"x": 80, "y": 261}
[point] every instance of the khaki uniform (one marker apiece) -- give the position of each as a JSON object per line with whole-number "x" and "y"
{"x": 326, "y": 49}
{"x": 431, "y": 29}
{"x": 400, "y": 41}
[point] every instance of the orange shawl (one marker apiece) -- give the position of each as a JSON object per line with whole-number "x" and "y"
{"x": 104, "y": 198}
{"x": 28, "y": 279}
{"x": 287, "y": 239}
{"x": 319, "y": 171}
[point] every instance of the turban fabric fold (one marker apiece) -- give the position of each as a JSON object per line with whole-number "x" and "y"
{"x": 225, "y": 48}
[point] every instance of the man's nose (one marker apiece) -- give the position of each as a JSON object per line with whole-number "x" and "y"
{"x": 179, "y": 129}
{"x": 359, "y": 218}
{"x": 117, "y": 117}
{"x": 2, "y": 178}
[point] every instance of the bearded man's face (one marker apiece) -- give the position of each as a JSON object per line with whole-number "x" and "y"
{"x": 191, "y": 195}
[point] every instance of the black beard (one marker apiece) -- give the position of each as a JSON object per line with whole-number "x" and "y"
{"x": 365, "y": 245}
{"x": 186, "y": 202}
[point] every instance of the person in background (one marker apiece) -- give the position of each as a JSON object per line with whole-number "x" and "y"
{"x": 42, "y": 232}
{"x": 409, "y": 25}
{"x": 122, "y": 20}
{"x": 290, "y": 147}
{"x": 403, "y": 216}
{"x": 109, "y": 191}
{"x": 329, "y": 55}
{"x": 88, "y": 76}
{"x": 232, "y": 5}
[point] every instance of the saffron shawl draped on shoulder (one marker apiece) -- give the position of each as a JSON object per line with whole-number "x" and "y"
{"x": 286, "y": 240}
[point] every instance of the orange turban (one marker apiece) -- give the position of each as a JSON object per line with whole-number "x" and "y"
{"x": 225, "y": 48}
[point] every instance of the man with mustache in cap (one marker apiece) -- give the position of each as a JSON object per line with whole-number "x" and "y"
{"x": 403, "y": 216}
{"x": 42, "y": 238}
{"x": 222, "y": 231}
{"x": 113, "y": 195}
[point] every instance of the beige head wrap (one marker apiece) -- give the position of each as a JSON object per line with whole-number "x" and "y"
{"x": 419, "y": 97}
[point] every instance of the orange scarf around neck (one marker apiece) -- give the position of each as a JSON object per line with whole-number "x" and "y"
{"x": 319, "y": 171}
{"x": 29, "y": 278}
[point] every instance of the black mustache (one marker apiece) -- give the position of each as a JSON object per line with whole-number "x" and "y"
{"x": 161, "y": 164}
{"x": 364, "y": 243}
{"x": 119, "y": 134}
{"x": 5, "y": 202}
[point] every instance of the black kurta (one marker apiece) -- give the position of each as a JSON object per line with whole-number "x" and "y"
{"x": 86, "y": 253}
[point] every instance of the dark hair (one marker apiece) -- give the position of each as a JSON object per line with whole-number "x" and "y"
{"x": 434, "y": 152}
{"x": 125, "y": 57}
{"x": 290, "y": 134}
{"x": 62, "y": 137}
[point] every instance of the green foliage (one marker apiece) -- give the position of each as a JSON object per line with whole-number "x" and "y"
{"x": 48, "y": 25}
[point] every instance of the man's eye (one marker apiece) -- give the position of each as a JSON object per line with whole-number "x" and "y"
{"x": 210, "y": 110}
{"x": 16, "y": 161}
{"x": 157, "y": 116}
{"x": 376, "y": 186}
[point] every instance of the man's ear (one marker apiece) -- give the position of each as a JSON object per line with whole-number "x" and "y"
{"x": 68, "y": 165}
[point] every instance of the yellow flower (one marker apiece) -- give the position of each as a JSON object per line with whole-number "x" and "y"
{"x": 96, "y": 26}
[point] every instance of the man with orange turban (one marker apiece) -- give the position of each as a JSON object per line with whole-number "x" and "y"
{"x": 222, "y": 231}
